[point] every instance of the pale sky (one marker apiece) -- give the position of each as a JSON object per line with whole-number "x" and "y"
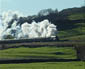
{"x": 31, "y": 7}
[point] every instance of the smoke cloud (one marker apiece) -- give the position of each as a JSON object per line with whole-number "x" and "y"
{"x": 13, "y": 28}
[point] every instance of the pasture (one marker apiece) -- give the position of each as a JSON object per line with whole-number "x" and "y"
{"x": 42, "y": 58}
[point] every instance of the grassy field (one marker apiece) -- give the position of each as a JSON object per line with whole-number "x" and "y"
{"x": 43, "y": 53}
{"x": 45, "y": 65}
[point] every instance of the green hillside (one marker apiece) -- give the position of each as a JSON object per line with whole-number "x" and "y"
{"x": 76, "y": 33}
{"x": 77, "y": 16}
{"x": 70, "y": 22}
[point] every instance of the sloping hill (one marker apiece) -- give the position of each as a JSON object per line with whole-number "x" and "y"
{"x": 70, "y": 22}
{"x": 77, "y": 32}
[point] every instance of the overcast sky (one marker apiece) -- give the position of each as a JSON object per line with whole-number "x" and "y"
{"x": 31, "y": 7}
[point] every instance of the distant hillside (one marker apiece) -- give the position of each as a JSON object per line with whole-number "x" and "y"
{"x": 70, "y": 22}
{"x": 64, "y": 19}
{"x": 76, "y": 29}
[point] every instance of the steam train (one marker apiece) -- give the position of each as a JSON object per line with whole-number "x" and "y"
{"x": 10, "y": 41}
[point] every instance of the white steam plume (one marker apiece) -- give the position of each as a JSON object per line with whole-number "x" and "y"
{"x": 9, "y": 20}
